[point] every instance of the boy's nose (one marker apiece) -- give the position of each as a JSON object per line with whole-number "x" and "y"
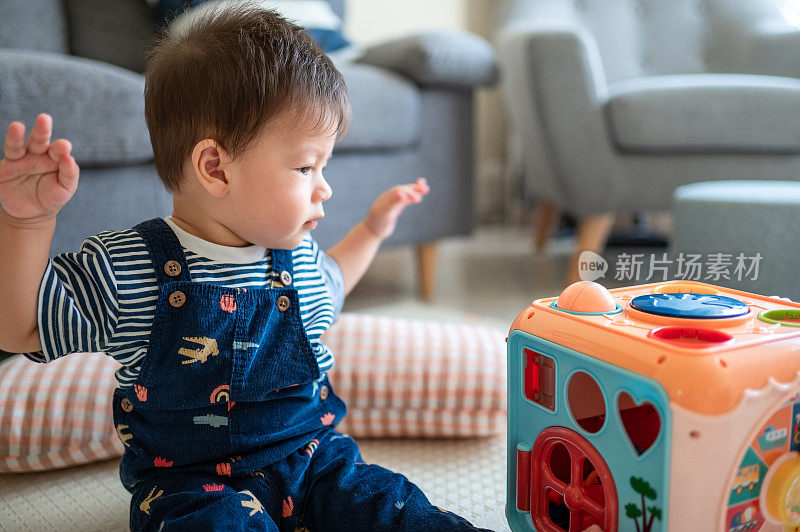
{"x": 323, "y": 190}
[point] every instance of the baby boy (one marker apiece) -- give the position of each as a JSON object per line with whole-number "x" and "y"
{"x": 215, "y": 313}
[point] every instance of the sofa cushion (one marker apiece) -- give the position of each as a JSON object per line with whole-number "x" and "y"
{"x": 437, "y": 58}
{"x": 706, "y": 113}
{"x": 98, "y": 107}
{"x": 386, "y": 109}
{"x": 33, "y": 25}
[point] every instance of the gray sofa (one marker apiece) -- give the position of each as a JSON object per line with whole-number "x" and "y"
{"x": 412, "y": 105}
{"x": 618, "y": 102}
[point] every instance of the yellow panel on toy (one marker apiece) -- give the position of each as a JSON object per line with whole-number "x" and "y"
{"x": 670, "y": 406}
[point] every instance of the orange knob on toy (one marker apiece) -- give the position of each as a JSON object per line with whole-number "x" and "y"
{"x": 586, "y": 296}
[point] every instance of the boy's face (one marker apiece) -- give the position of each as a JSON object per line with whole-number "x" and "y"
{"x": 277, "y": 187}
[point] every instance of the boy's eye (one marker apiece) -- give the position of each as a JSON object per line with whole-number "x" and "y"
{"x": 304, "y": 169}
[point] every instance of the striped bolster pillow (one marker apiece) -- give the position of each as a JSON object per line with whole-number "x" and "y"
{"x": 399, "y": 378}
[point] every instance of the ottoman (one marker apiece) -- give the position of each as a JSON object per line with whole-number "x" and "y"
{"x": 733, "y": 223}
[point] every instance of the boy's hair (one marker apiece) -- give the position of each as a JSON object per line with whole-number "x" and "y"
{"x": 225, "y": 73}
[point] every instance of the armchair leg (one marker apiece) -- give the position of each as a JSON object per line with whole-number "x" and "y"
{"x": 426, "y": 264}
{"x": 592, "y": 234}
{"x": 547, "y": 218}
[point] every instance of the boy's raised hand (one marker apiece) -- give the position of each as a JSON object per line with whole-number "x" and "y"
{"x": 382, "y": 216}
{"x": 37, "y": 178}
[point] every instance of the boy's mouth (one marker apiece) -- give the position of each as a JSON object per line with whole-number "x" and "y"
{"x": 312, "y": 224}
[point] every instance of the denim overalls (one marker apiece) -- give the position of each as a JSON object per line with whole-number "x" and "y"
{"x": 228, "y": 410}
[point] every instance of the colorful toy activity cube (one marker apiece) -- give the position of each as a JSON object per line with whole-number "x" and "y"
{"x": 670, "y": 406}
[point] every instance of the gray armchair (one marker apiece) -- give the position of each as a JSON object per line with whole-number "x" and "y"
{"x": 412, "y": 99}
{"x": 615, "y": 103}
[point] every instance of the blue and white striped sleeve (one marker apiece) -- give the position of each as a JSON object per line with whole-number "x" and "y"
{"x": 78, "y": 306}
{"x": 331, "y": 275}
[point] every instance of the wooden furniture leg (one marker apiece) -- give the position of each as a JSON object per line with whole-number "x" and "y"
{"x": 592, "y": 235}
{"x": 547, "y": 218}
{"x": 426, "y": 264}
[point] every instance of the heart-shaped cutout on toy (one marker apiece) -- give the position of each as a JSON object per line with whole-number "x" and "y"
{"x": 641, "y": 422}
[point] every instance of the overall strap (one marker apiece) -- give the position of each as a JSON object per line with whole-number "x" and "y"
{"x": 165, "y": 251}
{"x": 282, "y": 264}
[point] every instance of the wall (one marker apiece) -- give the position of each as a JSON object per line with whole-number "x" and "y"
{"x": 370, "y": 21}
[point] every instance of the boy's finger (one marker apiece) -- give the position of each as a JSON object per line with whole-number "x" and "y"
{"x": 58, "y": 149}
{"x": 39, "y": 139}
{"x": 68, "y": 173}
{"x": 410, "y": 196}
{"x": 14, "y": 146}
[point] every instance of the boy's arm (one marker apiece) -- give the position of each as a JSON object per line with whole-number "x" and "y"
{"x": 36, "y": 180}
{"x": 354, "y": 252}
{"x": 24, "y": 254}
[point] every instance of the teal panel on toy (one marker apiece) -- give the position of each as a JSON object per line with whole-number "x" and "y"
{"x": 593, "y": 441}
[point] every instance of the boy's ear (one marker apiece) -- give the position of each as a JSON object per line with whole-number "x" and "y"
{"x": 208, "y": 166}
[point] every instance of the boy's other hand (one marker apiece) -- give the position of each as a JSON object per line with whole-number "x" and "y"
{"x": 382, "y": 216}
{"x": 37, "y": 178}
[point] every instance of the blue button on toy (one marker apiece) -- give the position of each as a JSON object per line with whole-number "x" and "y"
{"x": 692, "y": 306}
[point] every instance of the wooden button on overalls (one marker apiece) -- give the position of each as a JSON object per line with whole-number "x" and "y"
{"x": 126, "y": 404}
{"x": 323, "y": 392}
{"x": 283, "y": 303}
{"x": 172, "y": 268}
{"x": 177, "y": 299}
{"x": 286, "y": 278}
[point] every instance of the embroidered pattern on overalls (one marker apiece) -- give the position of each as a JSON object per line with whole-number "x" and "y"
{"x": 199, "y": 355}
{"x": 124, "y": 437}
{"x": 145, "y": 504}
{"x": 252, "y": 503}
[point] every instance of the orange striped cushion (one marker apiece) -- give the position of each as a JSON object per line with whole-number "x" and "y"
{"x": 403, "y": 377}
{"x": 58, "y": 414}
{"x": 399, "y": 378}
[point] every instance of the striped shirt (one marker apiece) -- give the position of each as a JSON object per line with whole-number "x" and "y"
{"x": 103, "y": 298}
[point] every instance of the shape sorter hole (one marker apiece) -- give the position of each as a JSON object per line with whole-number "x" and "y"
{"x": 789, "y": 317}
{"x": 691, "y": 337}
{"x": 540, "y": 379}
{"x": 586, "y": 402}
{"x": 641, "y": 422}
